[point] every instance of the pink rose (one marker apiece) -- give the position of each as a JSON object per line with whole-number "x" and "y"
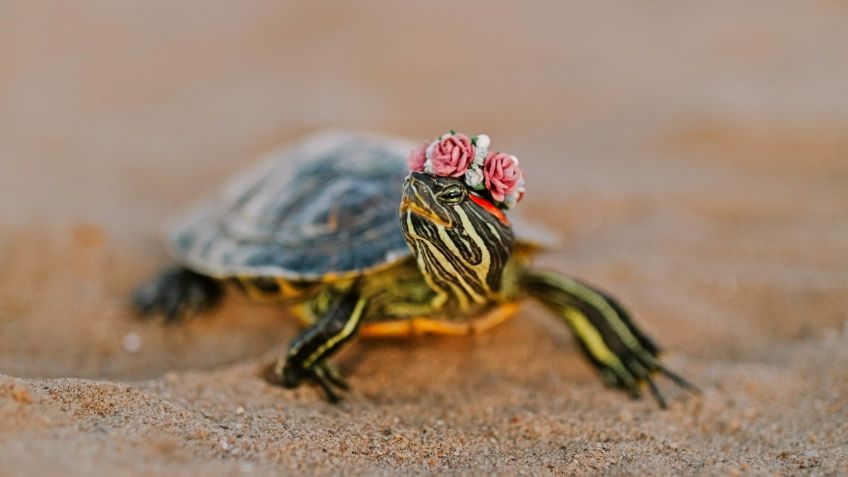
{"x": 452, "y": 156}
{"x": 417, "y": 158}
{"x": 502, "y": 175}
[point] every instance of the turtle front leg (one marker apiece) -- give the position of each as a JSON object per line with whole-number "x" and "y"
{"x": 308, "y": 353}
{"x": 624, "y": 355}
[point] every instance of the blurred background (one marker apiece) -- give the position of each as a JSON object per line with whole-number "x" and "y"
{"x": 695, "y": 157}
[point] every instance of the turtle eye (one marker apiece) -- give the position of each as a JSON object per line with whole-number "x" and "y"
{"x": 452, "y": 194}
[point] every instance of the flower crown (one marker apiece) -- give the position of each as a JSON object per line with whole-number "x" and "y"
{"x": 457, "y": 155}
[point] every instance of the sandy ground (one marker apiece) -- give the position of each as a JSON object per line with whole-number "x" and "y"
{"x": 695, "y": 158}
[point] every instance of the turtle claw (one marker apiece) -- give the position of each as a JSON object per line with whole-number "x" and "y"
{"x": 334, "y": 375}
{"x": 325, "y": 375}
{"x": 638, "y": 370}
{"x": 321, "y": 376}
{"x": 656, "y": 392}
{"x": 678, "y": 379}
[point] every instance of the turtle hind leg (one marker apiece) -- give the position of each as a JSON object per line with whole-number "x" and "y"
{"x": 177, "y": 293}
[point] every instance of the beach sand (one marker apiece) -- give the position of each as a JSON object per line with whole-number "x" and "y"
{"x": 693, "y": 159}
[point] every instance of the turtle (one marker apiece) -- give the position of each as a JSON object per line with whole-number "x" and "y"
{"x": 338, "y": 229}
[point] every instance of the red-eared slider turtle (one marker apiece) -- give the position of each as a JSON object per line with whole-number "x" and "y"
{"x": 363, "y": 238}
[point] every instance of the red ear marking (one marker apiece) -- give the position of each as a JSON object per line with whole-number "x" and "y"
{"x": 490, "y": 207}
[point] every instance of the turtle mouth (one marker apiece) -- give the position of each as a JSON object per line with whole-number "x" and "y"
{"x": 407, "y": 205}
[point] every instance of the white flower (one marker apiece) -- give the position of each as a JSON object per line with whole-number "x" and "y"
{"x": 511, "y": 200}
{"x": 428, "y": 153}
{"x": 481, "y": 145}
{"x": 428, "y": 165}
{"x": 474, "y": 178}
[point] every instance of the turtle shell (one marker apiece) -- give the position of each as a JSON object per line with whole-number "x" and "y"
{"x": 323, "y": 209}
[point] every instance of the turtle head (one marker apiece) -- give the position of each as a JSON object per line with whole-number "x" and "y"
{"x": 460, "y": 239}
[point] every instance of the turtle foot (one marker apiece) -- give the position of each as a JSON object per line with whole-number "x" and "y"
{"x": 176, "y": 294}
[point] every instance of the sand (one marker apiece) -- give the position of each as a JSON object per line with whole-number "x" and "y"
{"x": 693, "y": 158}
